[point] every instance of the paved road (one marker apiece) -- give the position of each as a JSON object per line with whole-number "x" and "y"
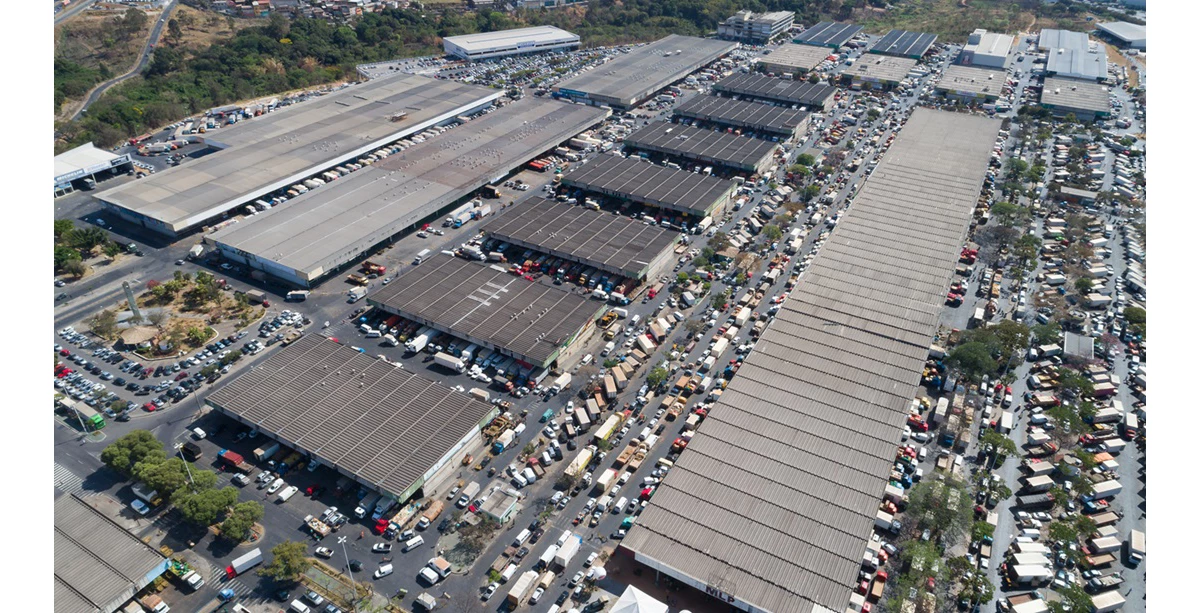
{"x": 143, "y": 61}
{"x": 71, "y": 11}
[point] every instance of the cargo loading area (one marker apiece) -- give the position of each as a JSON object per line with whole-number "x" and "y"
{"x": 635, "y": 180}
{"x": 318, "y": 232}
{"x": 379, "y": 424}
{"x": 484, "y": 304}
{"x": 289, "y": 145}
{"x": 738, "y": 153}
{"x": 815, "y": 96}
{"x": 632, "y": 78}
{"x": 808, "y": 429}
{"x": 612, "y": 243}
{"x": 771, "y": 122}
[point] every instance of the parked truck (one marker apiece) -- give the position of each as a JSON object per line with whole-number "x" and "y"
{"x": 606, "y": 480}
{"x": 448, "y": 361}
{"x": 235, "y": 461}
{"x": 561, "y": 383}
{"x": 503, "y": 441}
{"x": 419, "y": 340}
{"x": 1035, "y": 500}
{"x": 522, "y": 587}
{"x": 244, "y": 563}
{"x": 567, "y": 550}
{"x": 266, "y": 451}
{"x": 580, "y": 463}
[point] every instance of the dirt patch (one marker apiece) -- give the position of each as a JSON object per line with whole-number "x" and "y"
{"x": 200, "y": 29}
{"x": 93, "y": 47}
{"x": 953, "y": 20}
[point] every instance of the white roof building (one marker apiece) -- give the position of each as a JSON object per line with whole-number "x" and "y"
{"x": 985, "y": 48}
{"x": 509, "y": 42}
{"x": 633, "y": 600}
{"x": 1128, "y": 34}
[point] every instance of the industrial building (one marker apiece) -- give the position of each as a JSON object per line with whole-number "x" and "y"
{"x": 536, "y": 323}
{"x": 1124, "y": 34}
{"x": 84, "y": 164}
{"x": 635, "y": 180}
{"x": 878, "y": 71}
{"x": 971, "y": 83}
{"x": 316, "y": 233}
{"x": 901, "y": 43}
{"x": 985, "y": 48}
{"x": 704, "y": 147}
{"x": 1072, "y": 55}
{"x": 789, "y": 467}
{"x": 815, "y": 96}
{"x": 630, "y": 79}
{"x": 611, "y": 243}
{"x": 778, "y": 122}
{"x": 793, "y": 59}
{"x": 381, "y": 425}
{"x": 98, "y": 565}
{"x": 828, "y": 34}
{"x": 517, "y": 41}
{"x": 755, "y": 28}
{"x": 278, "y": 149}
{"x": 1088, "y": 100}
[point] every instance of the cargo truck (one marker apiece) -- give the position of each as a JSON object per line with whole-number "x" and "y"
{"x": 567, "y": 550}
{"x": 357, "y": 294}
{"x": 419, "y": 340}
{"x": 606, "y": 480}
{"x": 244, "y": 563}
{"x": 266, "y": 451}
{"x": 580, "y": 463}
{"x": 521, "y": 588}
{"x": 448, "y": 361}
{"x": 235, "y": 461}
{"x": 503, "y": 441}
{"x": 1106, "y": 602}
{"x": 1136, "y": 547}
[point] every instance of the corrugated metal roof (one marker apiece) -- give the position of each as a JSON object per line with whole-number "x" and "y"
{"x": 881, "y": 68}
{"x": 786, "y": 473}
{"x": 702, "y": 145}
{"x": 614, "y": 243}
{"x": 477, "y": 302}
{"x": 516, "y": 37}
{"x": 1075, "y": 94}
{"x": 804, "y": 57}
{"x": 384, "y": 424}
{"x": 903, "y": 43}
{"x": 978, "y": 80}
{"x": 829, "y": 34}
{"x": 742, "y": 113}
{"x": 648, "y": 68}
{"x": 778, "y": 90}
{"x": 641, "y": 181}
{"x": 96, "y": 562}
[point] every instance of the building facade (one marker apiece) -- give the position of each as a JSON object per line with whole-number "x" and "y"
{"x": 755, "y": 28}
{"x": 985, "y": 48}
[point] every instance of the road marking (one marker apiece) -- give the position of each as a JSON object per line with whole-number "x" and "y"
{"x": 66, "y": 480}
{"x": 239, "y": 588}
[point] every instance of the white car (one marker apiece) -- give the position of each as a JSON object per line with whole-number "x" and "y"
{"x": 491, "y": 589}
{"x": 537, "y": 594}
{"x": 278, "y": 483}
{"x": 139, "y": 506}
{"x": 591, "y": 558}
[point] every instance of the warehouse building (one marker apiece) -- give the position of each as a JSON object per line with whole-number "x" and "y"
{"x": 537, "y": 323}
{"x": 768, "y": 121}
{"x": 519, "y": 41}
{"x": 971, "y": 83}
{"x": 901, "y": 43}
{"x": 1072, "y": 55}
{"x": 814, "y": 96}
{"x": 1088, "y": 100}
{"x": 98, "y": 565}
{"x": 367, "y": 419}
{"x": 1124, "y": 34}
{"x": 693, "y": 194}
{"x": 880, "y": 72}
{"x": 276, "y": 150}
{"x": 755, "y": 28}
{"x": 634, "y": 77}
{"x": 319, "y": 232}
{"x": 704, "y": 147}
{"x": 807, "y": 430}
{"x": 828, "y": 34}
{"x": 614, "y": 244}
{"x": 985, "y": 48}
{"x": 793, "y": 59}
{"x": 82, "y": 166}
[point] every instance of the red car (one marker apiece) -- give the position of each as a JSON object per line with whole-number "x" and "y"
{"x": 181, "y": 376}
{"x": 64, "y": 352}
{"x": 149, "y": 406}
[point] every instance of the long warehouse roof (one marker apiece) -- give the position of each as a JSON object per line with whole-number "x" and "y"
{"x": 648, "y": 183}
{"x": 884, "y": 68}
{"x": 486, "y": 303}
{"x": 648, "y": 68}
{"x": 1075, "y": 94}
{"x": 379, "y": 422}
{"x": 333, "y": 224}
{"x": 904, "y": 43}
{"x": 803, "y": 57}
{"x": 612, "y": 242}
{"x": 97, "y": 563}
{"x": 520, "y": 38}
{"x": 782, "y": 90}
{"x": 828, "y": 34}
{"x": 776, "y": 495}
{"x": 978, "y": 80}
{"x": 756, "y": 115}
{"x": 289, "y": 144}
{"x": 700, "y": 144}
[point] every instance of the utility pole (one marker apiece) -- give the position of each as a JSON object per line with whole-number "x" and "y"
{"x": 350, "y": 571}
{"x": 179, "y": 450}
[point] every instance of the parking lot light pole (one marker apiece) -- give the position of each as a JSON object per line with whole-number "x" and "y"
{"x": 179, "y": 450}
{"x": 353, "y": 587}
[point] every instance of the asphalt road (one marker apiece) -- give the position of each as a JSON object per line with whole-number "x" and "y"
{"x": 143, "y": 61}
{"x": 71, "y": 11}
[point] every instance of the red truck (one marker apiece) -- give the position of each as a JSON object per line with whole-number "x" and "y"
{"x": 371, "y": 267}
{"x": 235, "y": 461}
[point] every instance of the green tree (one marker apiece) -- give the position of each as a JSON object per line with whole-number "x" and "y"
{"x": 289, "y": 563}
{"x": 119, "y": 406}
{"x": 1001, "y": 445}
{"x": 232, "y": 357}
{"x": 719, "y": 241}
{"x": 197, "y": 335}
{"x": 126, "y": 452}
{"x": 112, "y": 250}
{"x": 204, "y": 507}
{"x": 104, "y": 323}
{"x": 981, "y": 530}
{"x": 86, "y": 239}
{"x": 657, "y": 377}
{"x": 930, "y": 508}
{"x": 1072, "y": 383}
{"x": 1005, "y": 212}
{"x": 1063, "y": 531}
{"x": 1083, "y": 286}
{"x": 720, "y": 300}
{"x": 976, "y": 587}
{"x": 64, "y": 255}
{"x": 800, "y": 172}
{"x": 75, "y": 268}
{"x": 805, "y": 159}
{"x": 1073, "y": 599}
{"x": 1016, "y": 167}
{"x": 171, "y": 475}
{"x": 772, "y": 232}
{"x": 973, "y": 359}
{"x": 1047, "y": 334}
{"x": 810, "y": 192}
{"x": 62, "y": 227}
{"x": 240, "y": 520}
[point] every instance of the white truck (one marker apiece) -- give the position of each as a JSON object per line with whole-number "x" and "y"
{"x": 567, "y": 550}
{"x": 419, "y": 340}
{"x": 561, "y": 383}
{"x": 449, "y": 361}
{"x": 357, "y": 294}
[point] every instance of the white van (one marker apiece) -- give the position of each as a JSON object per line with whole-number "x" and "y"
{"x": 521, "y": 537}
{"x": 620, "y": 505}
{"x": 633, "y": 321}
{"x": 286, "y": 494}
{"x": 413, "y": 543}
{"x": 383, "y": 571}
{"x": 374, "y": 334}
{"x": 562, "y": 539}
{"x": 298, "y": 607}
{"x": 508, "y": 573}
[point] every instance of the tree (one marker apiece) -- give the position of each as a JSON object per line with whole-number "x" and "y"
{"x": 805, "y": 159}
{"x": 973, "y": 359}
{"x": 63, "y": 255}
{"x": 695, "y": 326}
{"x": 233, "y": 356}
{"x": 174, "y": 31}
{"x": 1063, "y": 531}
{"x": 772, "y": 232}
{"x": 657, "y": 377}
{"x": 800, "y": 172}
{"x": 810, "y": 192}
{"x": 75, "y": 268}
{"x": 981, "y": 530}
{"x": 719, "y": 241}
{"x": 1073, "y": 599}
{"x": 119, "y": 406}
{"x": 289, "y": 563}
{"x": 240, "y": 520}
{"x": 1005, "y": 212}
{"x": 157, "y": 317}
{"x": 1047, "y": 334}
{"x": 129, "y": 450}
{"x": 1001, "y": 445}
{"x": 1083, "y": 286}
{"x": 196, "y": 335}
{"x": 1067, "y": 423}
{"x": 204, "y": 507}
{"x": 720, "y": 300}
{"x": 111, "y": 250}
{"x": 1016, "y": 167}
{"x": 104, "y": 323}
{"x": 62, "y": 227}
{"x": 929, "y": 509}
{"x": 976, "y": 587}
{"x": 86, "y": 239}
